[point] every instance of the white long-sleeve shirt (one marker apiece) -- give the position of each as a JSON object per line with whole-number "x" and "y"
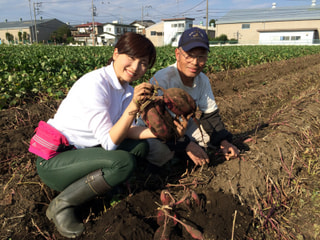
{"x": 93, "y": 105}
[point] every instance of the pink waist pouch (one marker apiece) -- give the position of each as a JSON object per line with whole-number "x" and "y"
{"x": 48, "y": 142}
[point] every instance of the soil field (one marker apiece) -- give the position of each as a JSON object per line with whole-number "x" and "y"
{"x": 270, "y": 192}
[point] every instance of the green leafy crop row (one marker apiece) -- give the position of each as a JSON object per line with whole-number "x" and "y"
{"x": 37, "y": 71}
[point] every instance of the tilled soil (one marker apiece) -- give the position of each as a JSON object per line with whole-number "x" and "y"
{"x": 273, "y": 112}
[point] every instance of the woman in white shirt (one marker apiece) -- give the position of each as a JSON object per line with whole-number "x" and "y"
{"x": 97, "y": 117}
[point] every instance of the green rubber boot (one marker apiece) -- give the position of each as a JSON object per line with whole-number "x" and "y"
{"x": 61, "y": 209}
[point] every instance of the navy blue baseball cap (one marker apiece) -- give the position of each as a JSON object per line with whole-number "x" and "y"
{"x": 192, "y": 38}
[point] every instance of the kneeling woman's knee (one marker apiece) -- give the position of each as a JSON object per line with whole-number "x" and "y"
{"x": 123, "y": 166}
{"x": 127, "y": 165}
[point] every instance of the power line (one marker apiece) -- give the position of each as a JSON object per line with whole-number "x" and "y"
{"x": 194, "y": 6}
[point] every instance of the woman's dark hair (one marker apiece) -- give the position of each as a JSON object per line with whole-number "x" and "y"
{"x": 136, "y": 45}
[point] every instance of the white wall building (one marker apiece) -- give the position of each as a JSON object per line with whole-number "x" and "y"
{"x": 286, "y": 37}
{"x": 173, "y": 28}
{"x": 168, "y": 31}
{"x": 113, "y": 31}
{"x": 274, "y": 25}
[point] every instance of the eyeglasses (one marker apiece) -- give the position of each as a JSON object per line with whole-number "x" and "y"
{"x": 190, "y": 57}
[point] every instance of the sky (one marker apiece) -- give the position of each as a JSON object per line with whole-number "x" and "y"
{"x": 127, "y": 11}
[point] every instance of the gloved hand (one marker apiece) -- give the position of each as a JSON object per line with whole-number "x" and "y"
{"x": 229, "y": 150}
{"x": 197, "y": 154}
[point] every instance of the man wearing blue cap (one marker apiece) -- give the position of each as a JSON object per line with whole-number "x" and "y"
{"x": 186, "y": 73}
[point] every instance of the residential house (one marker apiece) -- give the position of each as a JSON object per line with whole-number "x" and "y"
{"x": 142, "y": 25}
{"x": 168, "y": 31}
{"x": 112, "y": 32}
{"x": 24, "y": 31}
{"x": 274, "y": 25}
{"x": 84, "y": 34}
{"x": 173, "y": 29}
{"x": 155, "y": 34}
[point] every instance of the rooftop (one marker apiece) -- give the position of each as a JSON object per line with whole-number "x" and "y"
{"x": 177, "y": 19}
{"x": 89, "y": 24}
{"x": 271, "y": 14}
{"x": 21, "y": 24}
{"x": 145, "y": 23}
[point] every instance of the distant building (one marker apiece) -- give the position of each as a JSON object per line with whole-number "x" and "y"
{"x": 211, "y": 30}
{"x": 168, "y": 31}
{"x": 26, "y": 30}
{"x": 155, "y": 34}
{"x": 274, "y": 25}
{"x": 142, "y": 25}
{"x": 112, "y": 32}
{"x": 173, "y": 29}
{"x": 83, "y": 33}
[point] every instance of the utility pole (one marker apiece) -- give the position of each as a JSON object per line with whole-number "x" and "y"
{"x": 32, "y": 32}
{"x": 35, "y": 20}
{"x": 93, "y": 30}
{"x": 178, "y": 8}
{"x": 142, "y": 15}
{"x": 207, "y": 18}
